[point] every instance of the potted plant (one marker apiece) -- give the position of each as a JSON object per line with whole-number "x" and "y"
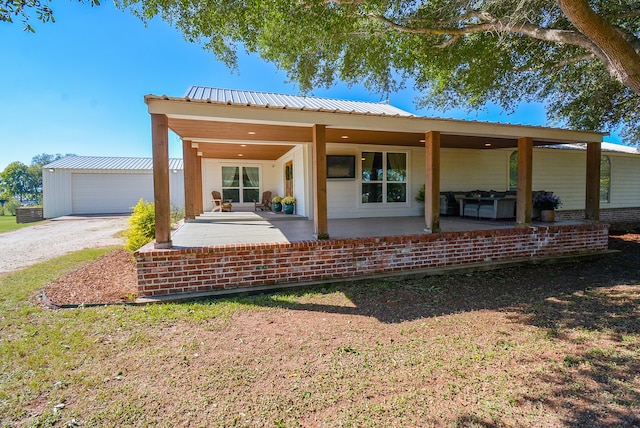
{"x": 277, "y": 203}
{"x": 547, "y": 204}
{"x": 288, "y": 202}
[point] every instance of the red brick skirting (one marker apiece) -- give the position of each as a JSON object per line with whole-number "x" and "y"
{"x": 613, "y": 216}
{"x": 187, "y": 270}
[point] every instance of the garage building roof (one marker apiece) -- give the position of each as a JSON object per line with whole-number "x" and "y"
{"x": 102, "y": 162}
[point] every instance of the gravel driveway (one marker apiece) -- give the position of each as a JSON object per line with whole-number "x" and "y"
{"x": 53, "y": 238}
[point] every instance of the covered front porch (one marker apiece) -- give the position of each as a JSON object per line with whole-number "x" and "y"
{"x": 388, "y": 232}
{"x": 398, "y": 151}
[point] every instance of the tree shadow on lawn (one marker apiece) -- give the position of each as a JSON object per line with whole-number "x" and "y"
{"x": 589, "y": 308}
{"x": 515, "y": 288}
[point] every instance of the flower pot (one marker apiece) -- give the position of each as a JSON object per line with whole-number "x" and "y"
{"x": 277, "y": 207}
{"x": 288, "y": 208}
{"x": 547, "y": 215}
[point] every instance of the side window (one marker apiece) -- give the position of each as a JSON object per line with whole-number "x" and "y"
{"x": 605, "y": 179}
{"x": 513, "y": 171}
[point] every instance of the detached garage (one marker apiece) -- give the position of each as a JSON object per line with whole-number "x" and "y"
{"x": 103, "y": 185}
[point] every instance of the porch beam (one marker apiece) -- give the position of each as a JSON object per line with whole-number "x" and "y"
{"x": 432, "y": 182}
{"x": 592, "y": 200}
{"x": 524, "y": 204}
{"x": 160, "y": 150}
{"x": 319, "y": 147}
{"x": 189, "y": 157}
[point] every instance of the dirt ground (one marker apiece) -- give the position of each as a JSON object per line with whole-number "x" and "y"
{"x": 533, "y": 346}
{"x": 113, "y": 278}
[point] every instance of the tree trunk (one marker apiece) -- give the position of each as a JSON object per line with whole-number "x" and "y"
{"x": 619, "y": 56}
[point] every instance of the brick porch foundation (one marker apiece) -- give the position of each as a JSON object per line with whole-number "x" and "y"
{"x": 190, "y": 270}
{"x": 619, "y": 217}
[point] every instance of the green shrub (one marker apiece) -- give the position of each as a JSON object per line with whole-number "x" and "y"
{"x": 142, "y": 225}
{"x": 177, "y": 214}
{"x": 420, "y": 195}
{"x": 10, "y": 206}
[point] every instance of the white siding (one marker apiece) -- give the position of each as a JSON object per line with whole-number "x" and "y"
{"x": 625, "y": 181}
{"x": 56, "y": 192}
{"x": 86, "y": 191}
{"x": 176, "y": 188}
{"x": 465, "y": 170}
{"x": 560, "y": 171}
{"x": 103, "y": 193}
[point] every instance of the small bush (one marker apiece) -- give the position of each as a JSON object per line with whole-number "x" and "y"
{"x": 177, "y": 214}
{"x": 10, "y": 206}
{"x": 142, "y": 225}
{"x": 420, "y": 195}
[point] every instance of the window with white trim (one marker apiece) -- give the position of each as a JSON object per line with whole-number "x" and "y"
{"x": 605, "y": 179}
{"x": 384, "y": 177}
{"x": 241, "y": 183}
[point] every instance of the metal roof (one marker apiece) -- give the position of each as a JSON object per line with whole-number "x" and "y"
{"x": 605, "y": 147}
{"x": 112, "y": 163}
{"x": 270, "y": 99}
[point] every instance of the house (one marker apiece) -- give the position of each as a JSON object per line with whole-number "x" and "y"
{"x": 348, "y": 159}
{"x": 81, "y": 185}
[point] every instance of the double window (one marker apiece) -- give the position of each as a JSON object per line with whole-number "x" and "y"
{"x": 384, "y": 177}
{"x": 241, "y": 183}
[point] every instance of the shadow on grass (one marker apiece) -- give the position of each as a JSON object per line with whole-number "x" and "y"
{"x": 505, "y": 289}
{"x": 590, "y": 308}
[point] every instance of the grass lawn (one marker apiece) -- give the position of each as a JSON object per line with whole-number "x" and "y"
{"x": 8, "y": 223}
{"x": 525, "y": 349}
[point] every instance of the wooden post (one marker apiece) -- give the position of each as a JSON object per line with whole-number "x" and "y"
{"x": 432, "y": 182}
{"x": 160, "y": 149}
{"x": 592, "y": 200}
{"x": 198, "y": 203}
{"x": 525, "y": 199}
{"x": 189, "y": 159}
{"x": 320, "y": 224}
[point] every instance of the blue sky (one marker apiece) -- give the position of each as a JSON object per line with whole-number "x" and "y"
{"x": 77, "y": 85}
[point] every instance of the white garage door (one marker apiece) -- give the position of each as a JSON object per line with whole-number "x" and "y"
{"x": 109, "y": 193}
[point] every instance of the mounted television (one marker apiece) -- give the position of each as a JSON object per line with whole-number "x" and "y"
{"x": 341, "y": 167}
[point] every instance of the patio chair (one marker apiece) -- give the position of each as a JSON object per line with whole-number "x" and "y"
{"x": 265, "y": 204}
{"x": 218, "y": 203}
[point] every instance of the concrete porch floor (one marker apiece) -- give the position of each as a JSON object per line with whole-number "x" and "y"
{"x": 250, "y": 227}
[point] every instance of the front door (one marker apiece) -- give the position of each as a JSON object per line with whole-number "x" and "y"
{"x": 288, "y": 178}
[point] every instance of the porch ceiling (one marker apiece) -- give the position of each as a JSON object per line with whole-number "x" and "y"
{"x": 243, "y": 151}
{"x": 231, "y": 140}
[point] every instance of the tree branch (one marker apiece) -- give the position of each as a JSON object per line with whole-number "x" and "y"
{"x": 618, "y": 54}
{"x": 491, "y": 23}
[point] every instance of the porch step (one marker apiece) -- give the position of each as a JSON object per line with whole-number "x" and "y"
{"x": 243, "y": 216}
